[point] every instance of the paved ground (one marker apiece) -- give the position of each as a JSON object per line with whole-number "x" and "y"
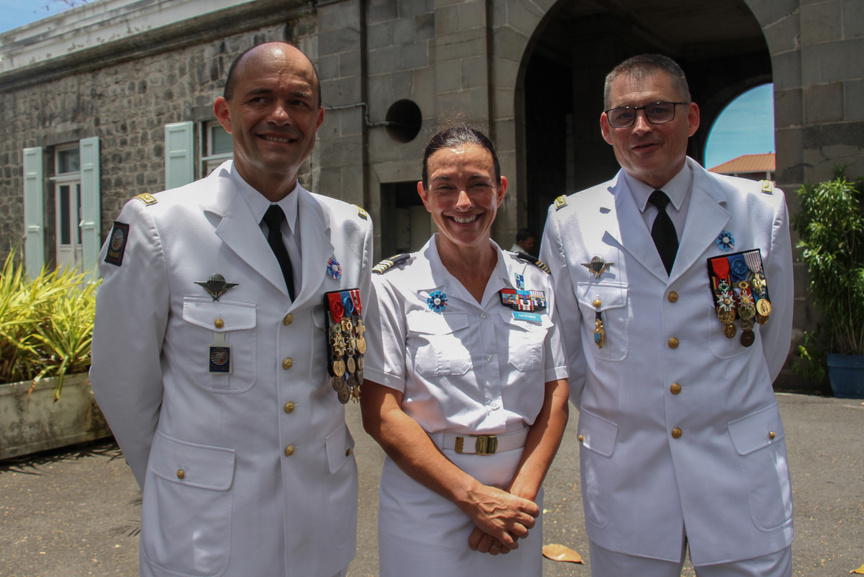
{"x": 75, "y": 513}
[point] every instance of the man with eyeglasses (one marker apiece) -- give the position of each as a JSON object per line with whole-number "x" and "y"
{"x": 674, "y": 291}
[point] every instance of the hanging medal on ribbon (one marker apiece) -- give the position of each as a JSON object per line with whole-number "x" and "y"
{"x": 739, "y": 290}
{"x": 345, "y": 363}
{"x": 724, "y": 298}
{"x": 758, "y": 286}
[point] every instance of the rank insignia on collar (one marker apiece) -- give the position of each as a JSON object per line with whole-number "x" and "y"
{"x": 597, "y": 266}
{"x": 146, "y": 198}
{"x": 216, "y": 286}
{"x": 362, "y": 213}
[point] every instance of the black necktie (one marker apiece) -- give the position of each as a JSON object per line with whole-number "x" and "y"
{"x": 663, "y": 230}
{"x": 273, "y": 218}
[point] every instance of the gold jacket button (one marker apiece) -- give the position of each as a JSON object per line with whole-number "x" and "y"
{"x": 289, "y": 407}
{"x": 771, "y": 435}
{"x": 673, "y": 297}
{"x": 289, "y": 450}
{"x": 676, "y": 433}
{"x": 673, "y": 343}
{"x": 347, "y": 452}
{"x": 597, "y": 304}
{"x": 287, "y": 363}
{"x": 181, "y": 474}
{"x": 581, "y": 439}
{"x": 289, "y": 318}
{"x": 218, "y": 323}
{"x": 675, "y": 388}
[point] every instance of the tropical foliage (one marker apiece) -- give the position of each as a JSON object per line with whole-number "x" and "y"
{"x": 46, "y": 323}
{"x": 831, "y": 228}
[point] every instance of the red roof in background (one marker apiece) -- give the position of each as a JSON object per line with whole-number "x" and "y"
{"x": 747, "y": 163}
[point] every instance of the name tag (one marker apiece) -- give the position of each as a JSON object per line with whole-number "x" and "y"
{"x": 523, "y": 316}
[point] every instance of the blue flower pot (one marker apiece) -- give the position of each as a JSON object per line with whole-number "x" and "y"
{"x": 846, "y": 374}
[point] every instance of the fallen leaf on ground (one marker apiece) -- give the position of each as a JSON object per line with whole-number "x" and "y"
{"x": 859, "y": 570}
{"x": 558, "y": 552}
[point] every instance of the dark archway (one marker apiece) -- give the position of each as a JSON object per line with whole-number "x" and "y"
{"x": 720, "y": 46}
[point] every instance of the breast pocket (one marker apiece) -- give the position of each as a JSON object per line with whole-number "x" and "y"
{"x": 219, "y": 334}
{"x": 610, "y": 300}
{"x": 438, "y": 343}
{"x": 721, "y": 346}
{"x": 525, "y": 341}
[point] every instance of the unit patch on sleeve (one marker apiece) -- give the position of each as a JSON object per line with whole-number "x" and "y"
{"x": 117, "y": 244}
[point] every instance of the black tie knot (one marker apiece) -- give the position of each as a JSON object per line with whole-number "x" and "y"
{"x": 659, "y": 199}
{"x": 274, "y": 217}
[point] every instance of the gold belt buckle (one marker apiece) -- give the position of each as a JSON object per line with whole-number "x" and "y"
{"x": 484, "y": 445}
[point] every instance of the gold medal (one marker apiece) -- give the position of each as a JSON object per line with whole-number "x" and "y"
{"x": 361, "y": 345}
{"x": 730, "y": 330}
{"x": 726, "y": 317}
{"x": 359, "y": 363}
{"x": 352, "y": 366}
{"x": 747, "y": 312}
{"x": 761, "y": 320}
{"x": 747, "y": 337}
{"x": 763, "y": 307}
{"x": 599, "y": 333}
{"x": 339, "y": 367}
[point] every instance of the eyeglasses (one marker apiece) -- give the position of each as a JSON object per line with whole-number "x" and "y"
{"x": 655, "y": 113}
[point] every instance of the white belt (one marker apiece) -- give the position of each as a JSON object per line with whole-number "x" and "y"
{"x": 481, "y": 444}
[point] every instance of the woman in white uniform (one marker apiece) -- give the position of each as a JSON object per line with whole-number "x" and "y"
{"x": 465, "y": 382}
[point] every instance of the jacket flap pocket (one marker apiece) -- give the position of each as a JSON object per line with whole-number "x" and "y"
{"x": 192, "y": 464}
{"x": 597, "y": 434}
{"x": 427, "y": 322}
{"x": 601, "y": 297}
{"x": 217, "y": 315}
{"x": 756, "y": 430}
{"x": 339, "y": 445}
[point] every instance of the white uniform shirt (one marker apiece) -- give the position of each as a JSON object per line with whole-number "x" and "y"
{"x": 472, "y": 368}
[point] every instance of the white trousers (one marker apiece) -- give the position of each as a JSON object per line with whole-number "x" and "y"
{"x": 605, "y": 563}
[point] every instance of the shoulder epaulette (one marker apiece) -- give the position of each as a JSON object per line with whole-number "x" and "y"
{"x": 560, "y": 202}
{"x": 147, "y": 199}
{"x": 388, "y": 263}
{"x": 361, "y": 212}
{"x": 767, "y": 186}
{"x": 533, "y": 260}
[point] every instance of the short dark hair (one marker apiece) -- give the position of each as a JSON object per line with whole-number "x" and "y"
{"x": 643, "y": 66}
{"x": 231, "y": 79}
{"x": 454, "y": 136}
{"x": 524, "y": 234}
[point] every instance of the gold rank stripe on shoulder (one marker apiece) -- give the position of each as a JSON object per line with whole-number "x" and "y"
{"x": 147, "y": 199}
{"x": 388, "y": 263}
{"x": 767, "y": 186}
{"x": 361, "y": 212}
{"x": 560, "y": 202}
{"x": 535, "y": 261}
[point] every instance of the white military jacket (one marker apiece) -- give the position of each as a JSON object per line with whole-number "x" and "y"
{"x": 679, "y": 425}
{"x": 249, "y": 472}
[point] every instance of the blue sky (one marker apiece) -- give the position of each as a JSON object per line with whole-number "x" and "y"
{"x": 745, "y": 127}
{"x": 15, "y": 13}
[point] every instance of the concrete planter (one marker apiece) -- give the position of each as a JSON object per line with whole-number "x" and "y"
{"x": 34, "y": 422}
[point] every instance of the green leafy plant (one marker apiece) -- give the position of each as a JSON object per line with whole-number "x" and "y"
{"x": 830, "y": 224}
{"x": 46, "y": 323}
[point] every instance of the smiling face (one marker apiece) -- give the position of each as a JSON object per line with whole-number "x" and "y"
{"x": 653, "y": 153}
{"x": 463, "y": 196}
{"x": 272, "y": 115}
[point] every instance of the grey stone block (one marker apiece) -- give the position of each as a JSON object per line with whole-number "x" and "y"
{"x": 823, "y": 103}
{"x": 788, "y": 107}
{"x": 784, "y": 34}
{"x": 854, "y": 100}
{"x": 853, "y": 19}
{"x": 821, "y": 22}
{"x": 832, "y": 62}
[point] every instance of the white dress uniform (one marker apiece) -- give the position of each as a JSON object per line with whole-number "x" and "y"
{"x": 679, "y": 425}
{"x": 464, "y": 368}
{"x": 247, "y": 469}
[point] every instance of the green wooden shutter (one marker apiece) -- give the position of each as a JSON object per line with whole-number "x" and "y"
{"x": 34, "y": 212}
{"x": 179, "y": 154}
{"x": 91, "y": 213}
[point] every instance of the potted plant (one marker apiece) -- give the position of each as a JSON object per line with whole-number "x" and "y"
{"x": 46, "y": 325}
{"x": 830, "y": 225}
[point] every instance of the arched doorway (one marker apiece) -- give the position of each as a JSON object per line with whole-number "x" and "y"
{"x": 720, "y": 46}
